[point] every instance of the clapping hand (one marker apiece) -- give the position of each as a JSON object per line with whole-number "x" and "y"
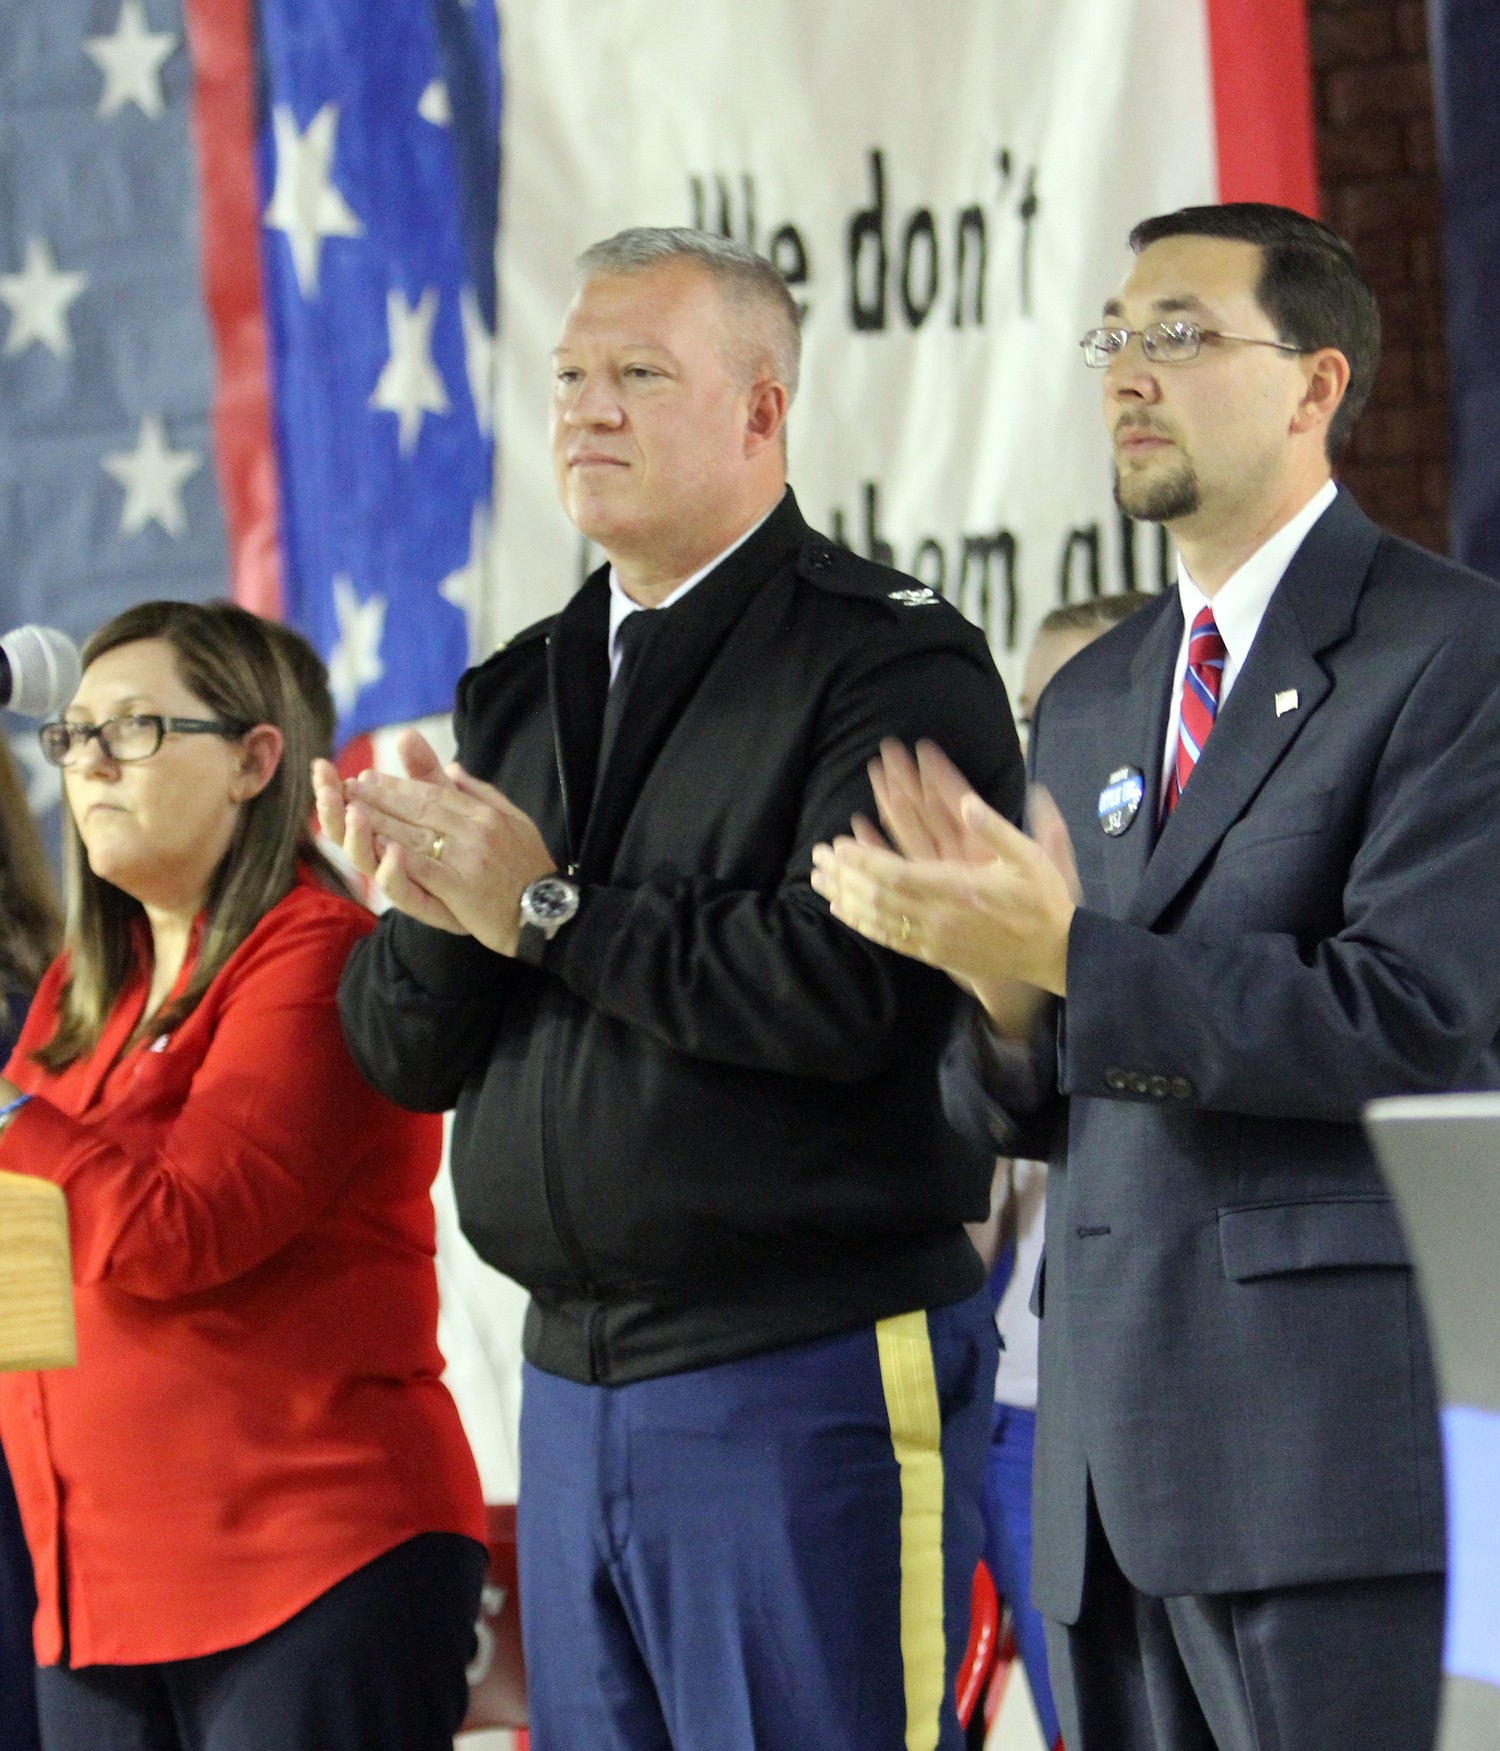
{"x": 444, "y": 847}
{"x": 952, "y": 883}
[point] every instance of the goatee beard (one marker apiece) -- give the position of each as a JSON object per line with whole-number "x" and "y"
{"x": 1162, "y": 500}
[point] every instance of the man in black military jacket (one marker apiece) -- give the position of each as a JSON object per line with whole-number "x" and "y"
{"x": 697, "y": 1119}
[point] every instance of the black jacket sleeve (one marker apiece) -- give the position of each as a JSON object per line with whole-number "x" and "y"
{"x": 1002, "y": 1094}
{"x": 420, "y": 1008}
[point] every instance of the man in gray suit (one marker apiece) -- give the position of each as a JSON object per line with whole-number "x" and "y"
{"x": 1265, "y": 888}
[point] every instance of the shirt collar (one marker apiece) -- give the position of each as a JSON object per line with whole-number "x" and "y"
{"x": 621, "y": 606}
{"x": 1241, "y": 603}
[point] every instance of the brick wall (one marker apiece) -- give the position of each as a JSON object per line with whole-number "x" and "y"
{"x": 1377, "y": 171}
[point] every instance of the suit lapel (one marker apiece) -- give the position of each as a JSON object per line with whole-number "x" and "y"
{"x": 1132, "y": 734}
{"x": 671, "y": 666}
{"x": 1312, "y": 608}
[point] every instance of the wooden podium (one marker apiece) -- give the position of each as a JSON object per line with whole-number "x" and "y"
{"x": 36, "y": 1288}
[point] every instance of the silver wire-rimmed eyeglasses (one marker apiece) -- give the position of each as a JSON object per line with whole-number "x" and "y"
{"x": 1165, "y": 343}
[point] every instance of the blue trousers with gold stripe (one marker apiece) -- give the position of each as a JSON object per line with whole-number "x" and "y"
{"x": 767, "y": 1555}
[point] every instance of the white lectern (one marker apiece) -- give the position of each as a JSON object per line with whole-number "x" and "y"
{"x": 1441, "y": 1155}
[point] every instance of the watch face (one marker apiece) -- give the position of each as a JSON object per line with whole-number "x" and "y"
{"x": 552, "y": 900}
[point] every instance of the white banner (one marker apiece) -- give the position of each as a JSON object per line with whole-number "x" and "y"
{"x": 947, "y": 187}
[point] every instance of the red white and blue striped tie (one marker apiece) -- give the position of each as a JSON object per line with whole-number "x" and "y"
{"x": 1200, "y": 700}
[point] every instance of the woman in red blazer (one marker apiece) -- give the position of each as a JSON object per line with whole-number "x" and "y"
{"x": 255, "y": 1522}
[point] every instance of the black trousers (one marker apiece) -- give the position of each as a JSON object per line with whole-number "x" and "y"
{"x": 374, "y": 1664}
{"x": 1337, "y": 1666}
{"x": 17, "y": 1607}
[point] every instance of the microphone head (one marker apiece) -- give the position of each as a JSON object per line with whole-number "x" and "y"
{"x": 44, "y": 669}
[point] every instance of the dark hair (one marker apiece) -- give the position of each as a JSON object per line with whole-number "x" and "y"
{"x": 30, "y": 917}
{"x": 1311, "y": 287}
{"x": 1094, "y": 615}
{"x": 236, "y": 665}
{"x": 309, "y": 676}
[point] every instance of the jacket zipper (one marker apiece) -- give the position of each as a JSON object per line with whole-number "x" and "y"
{"x": 562, "y": 786}
{"x": 562, "y": 1228}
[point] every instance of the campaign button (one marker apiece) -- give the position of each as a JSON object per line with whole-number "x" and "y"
{"x": 1120, "y": 800}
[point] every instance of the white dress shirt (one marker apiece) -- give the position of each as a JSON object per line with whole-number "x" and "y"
{"x": 1015, "y": 1380}
{"x": 621, "y": 607}
{"x": 1239, "y": 608}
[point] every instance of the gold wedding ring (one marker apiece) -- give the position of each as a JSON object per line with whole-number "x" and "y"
{"x": 435, "y": 850}
{"x": 905, "y": 928}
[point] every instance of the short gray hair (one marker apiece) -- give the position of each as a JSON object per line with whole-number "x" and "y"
{"x": 747, "y": 281}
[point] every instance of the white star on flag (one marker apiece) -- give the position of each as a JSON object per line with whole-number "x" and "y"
{"x": 354, "y": 663}
{"x": 304, "y": 203}
{"x": 131, "y": 61}
{"x": 479, "y": 359}
{"x": 40, "y": 297}
{"x": 433, "y": 105}
{"x": 153, "y": 476}
{"x": 410, "y": 385}
{"x": 464, "y": 588}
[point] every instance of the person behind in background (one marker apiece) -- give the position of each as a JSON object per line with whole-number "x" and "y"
{"x": 1012, "y": 1239}
{"x": 255, "y": 1522}
{"x": 697, "y": 1118}
{"x": 1266, "y": 892}
{"x": 30, "y": 925}
{"x": 30, "y": 917}
{"x": 1062, "y": 634}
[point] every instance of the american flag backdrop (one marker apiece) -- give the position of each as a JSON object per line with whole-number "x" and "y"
{"x": 378, "y": 143}
{"x": 106, "y": 358}
{"x": 247, "y": 318}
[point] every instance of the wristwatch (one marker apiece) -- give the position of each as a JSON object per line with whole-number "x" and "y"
{"x": 548, "y": 903}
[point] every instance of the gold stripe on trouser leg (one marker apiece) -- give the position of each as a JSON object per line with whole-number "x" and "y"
{"x": 911, "y": 1402}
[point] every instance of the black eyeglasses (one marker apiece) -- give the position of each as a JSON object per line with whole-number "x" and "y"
{"x": 1165, "y": 343}
{"x": 136, "y": 737}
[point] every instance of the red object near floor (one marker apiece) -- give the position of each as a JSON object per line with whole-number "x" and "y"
{"x": 979, "y": 1656}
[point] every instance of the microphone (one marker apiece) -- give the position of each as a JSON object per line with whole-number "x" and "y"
{"x": 39, "y": 670}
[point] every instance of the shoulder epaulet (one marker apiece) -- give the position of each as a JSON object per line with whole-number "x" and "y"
{"x": 538, "y": 630}
{"x": 836, "y": 569}
{"x": 536, "y": 633}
